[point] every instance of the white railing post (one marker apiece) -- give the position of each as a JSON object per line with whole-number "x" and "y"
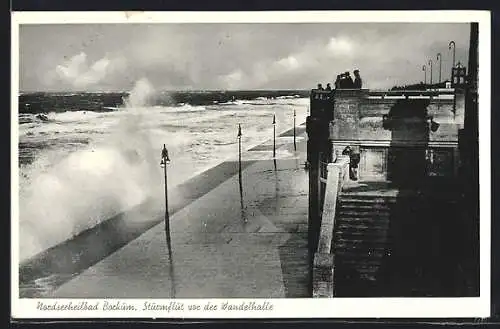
{"x": 323, "y": 265}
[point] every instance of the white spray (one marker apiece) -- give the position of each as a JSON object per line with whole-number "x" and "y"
{"x": 90, "y": 185}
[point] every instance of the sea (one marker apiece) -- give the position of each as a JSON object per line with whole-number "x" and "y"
{"x": 85, "y": 157}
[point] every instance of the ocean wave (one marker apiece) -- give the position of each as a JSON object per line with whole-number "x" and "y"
{"x": 66, "y": 161}
{"x": 189, "y": 108}
{"x": 72, "y": 116}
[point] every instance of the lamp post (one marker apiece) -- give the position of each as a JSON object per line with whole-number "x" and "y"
{"x": 274, "y": 136}
{"x": 165, "y": 160}
{"x": 424, "y": 68}
{"x": 239, "y": 146}
{"x": 449, "y": 48}
{"x": 294, "y": 133}
{"x": 439, "y": 57}
{"x": 430, "y": 63}
{"x": 239, "y": 160}
{"x": 240, "y": 179}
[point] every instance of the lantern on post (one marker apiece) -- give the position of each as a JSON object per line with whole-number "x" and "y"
{"x": 439, "y": 57}
{"x": 239, "y": 150}
{"x": 430, "y": 63}
{"x": 294, "y": 132}
{"x": 452, "y": 43}
{"x": 274, "y": 136}
{"x": 240, "y": 178}
{"x": 165, "y": 160}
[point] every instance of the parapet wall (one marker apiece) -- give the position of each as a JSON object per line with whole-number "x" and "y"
{"x": 358, "y": 115}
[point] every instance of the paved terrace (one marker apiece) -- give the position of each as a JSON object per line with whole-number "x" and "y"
{"x": 215, "y": 249}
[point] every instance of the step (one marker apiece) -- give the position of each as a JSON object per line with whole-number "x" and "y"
{"x": 351, "y": 220}
{"x": 375, "y": 249}
{"x": 373, "y": 211}
{"x": 365, "y": 235}
{"x": 440, "y": 199}
{"x": 373, "y": 214}
{"x": 360, "y": 255}
{"x": 344, "y": 271}
{"x": 363, "y": 226}
{"x": 341, "y": 243}
{"x": 352, "y": 241}
{"x": 349, "y": 227}
{"x": 363, "y": 206}
{"x": 367, "y": 196}
{"x": 372, "y": 200}
{"x": 360, "y": 240}
{"x": 364, "y": 263}
{"x": 366, "y": 215}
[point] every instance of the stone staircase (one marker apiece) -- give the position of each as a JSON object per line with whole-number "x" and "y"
{"x": 361, "y": 241}
{"x": 393, "y": 242}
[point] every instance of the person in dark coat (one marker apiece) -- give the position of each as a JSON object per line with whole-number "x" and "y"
{"x": 337, "y": 82}
{"x": 328, "y": 87}
{"x": 349, "y": 84}
{"x": 357, "y": 80}
{"x": 320, "y": 86}
{"x": 354, "y": 159}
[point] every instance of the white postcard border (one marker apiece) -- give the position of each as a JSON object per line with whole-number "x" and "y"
{"x": 281, "y": 308}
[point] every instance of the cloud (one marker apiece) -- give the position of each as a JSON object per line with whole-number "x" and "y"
{"x": 310, "y": 60}
{"x": 289, "y": 63}
{"x": 340, "y": 46}
{"x": 71, "y": 69}
{"x": 233, "y": 79}
{"x": 77, "y": 72}
{"x": 231, "y": 56}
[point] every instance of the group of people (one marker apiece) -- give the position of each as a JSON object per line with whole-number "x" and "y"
{"x": 345, "y": 81}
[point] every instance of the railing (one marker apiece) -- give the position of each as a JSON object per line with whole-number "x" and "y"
{"x": 323, "y": 265}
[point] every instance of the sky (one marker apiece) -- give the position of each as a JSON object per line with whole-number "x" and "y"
{"x": 112, "y": 57}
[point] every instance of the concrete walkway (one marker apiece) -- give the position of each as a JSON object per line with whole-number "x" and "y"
{"x": 215, "y": 248}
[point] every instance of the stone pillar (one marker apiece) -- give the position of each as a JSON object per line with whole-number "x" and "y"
{"x": 456, "y": 162}
{"x": 459, "y": 107}
{"x": 318, "y": 148}
{"x": 323, "y": 280}
{"x": 313, "y": 218}
{"x": 346, "y": 114}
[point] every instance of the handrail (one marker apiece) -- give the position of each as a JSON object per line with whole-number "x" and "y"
{"x": 323, "y": 265}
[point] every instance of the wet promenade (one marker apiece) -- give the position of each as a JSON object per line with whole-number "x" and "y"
{"x": 214, "y": 247}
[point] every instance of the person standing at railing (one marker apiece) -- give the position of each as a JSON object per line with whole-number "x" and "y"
{"x": 357, "y": 80}
{"x": 337, "y": 82}
{"x": 349, "y": 84}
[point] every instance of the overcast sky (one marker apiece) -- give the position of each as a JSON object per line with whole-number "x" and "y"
{"x": 232, "y": 56}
